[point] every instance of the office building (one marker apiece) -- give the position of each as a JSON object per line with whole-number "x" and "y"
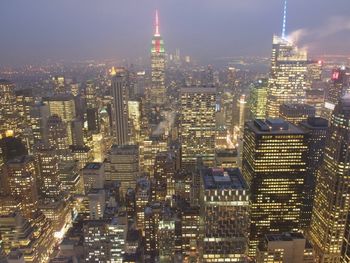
{"x": 197, "y": 125}
{"x": 93, "y": 176}
{"x": 296, "y": 113}
{"x": 339, "y": 85}
{"x": 120, "y": 107}
{"x": 287, "y": 82}
{"x": 332, "y": 202}
{"x": 22, "y": 181}
{"x": 316, "y": 131}
{"x": 286, "y": 248}
{"x": 224, "y": 204}
{"x": 122, "y": 165}
{"x": 49, "y": 183}
{"x": 258, "y": 99}
{"x": 274, "y": 165}
{"x": 64, "y": 107}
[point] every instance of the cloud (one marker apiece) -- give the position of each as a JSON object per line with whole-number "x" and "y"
{"x": 334, "y": 25}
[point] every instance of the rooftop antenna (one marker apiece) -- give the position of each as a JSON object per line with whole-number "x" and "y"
{"x": 284, "y": 20}
{"x": 157, "y": 24}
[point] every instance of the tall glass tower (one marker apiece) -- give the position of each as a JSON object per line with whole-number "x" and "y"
{"x": 332, "y": 198}
{"x": 288, "y": 73}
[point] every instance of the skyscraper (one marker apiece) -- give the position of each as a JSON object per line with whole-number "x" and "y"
{"x": 258, "y": 99}
{"x": 316, "y": 131}
{"x": 338, "y": 86}
{"x": 8, "y": 109}
{"x": 225, "y": 216}
{"x": 287, "y": 82}
{"x": 122, "y": 164}
{"x": 274, "y": 166}
{"x": 197, "y": 124}
{"x": 49, "y": 184}
{"x": 158, "y": 90}
{"x": 332, "y": 200}
{"x": 22, "y": 180}
{"x": 92, "y": 113}
{"x": 120, "y": 108}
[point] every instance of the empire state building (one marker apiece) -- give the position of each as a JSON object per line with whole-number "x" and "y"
{"x": 157, "y": 91}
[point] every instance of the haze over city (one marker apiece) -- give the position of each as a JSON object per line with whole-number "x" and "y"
{"x": 35, "y": 31}
{"x": 175, "y": 131}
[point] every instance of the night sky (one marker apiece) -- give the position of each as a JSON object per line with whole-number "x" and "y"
{"x": 33, "y": 31}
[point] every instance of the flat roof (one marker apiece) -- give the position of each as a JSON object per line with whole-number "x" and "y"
{"x": 223, "y": 178}
{"x": 197, "y": 89}
{"x": 273, "y": 126}
{"x": 93, "y": 166}
{"x": 284, "y": 237}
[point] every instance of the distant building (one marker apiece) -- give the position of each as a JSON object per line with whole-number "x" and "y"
{"x": 258, "y": 99}
{"x": 120, "y": 108}
{"x": 157, "y": 92}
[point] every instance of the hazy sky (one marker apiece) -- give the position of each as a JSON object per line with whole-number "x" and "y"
{"x": 35, "y": 30}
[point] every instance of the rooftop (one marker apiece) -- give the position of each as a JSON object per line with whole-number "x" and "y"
{"x": 227, "y": 178}
{"x": 93, "y": 166}
{"x": 284, "y": 237}
{"x": 273, "y": 126}
{"x": 297, "y": 107}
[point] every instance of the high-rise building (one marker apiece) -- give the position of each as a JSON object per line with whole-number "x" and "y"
{"x": 22, "y": 180}
{"x": 134, "y": 111}
{"x": 339, "y": 85}
{"x": 49, "y": 183}
{"x": 332, "y": 201}
{"x": 93, "y": 176}
{"x": 316, "y": 131}
{"x": 8, "y": 111}
{"x": 258, "y": 99}
{"x": 92, "y": 113}
{"x": 104, "y": 240}
{"x": 148, "y": 151}
{"x": 58, "y": 138}
{"x": 274, "y": 166}
{"x": 197, "y": 125}
{"x": 34, "y": 239}
{"x": 164, "y": 171}
{"x": 224, "y": 205}
{"x": 152, "y": 216}
{"x": 190, "y": 232}
{"x": 122, "y": 165}
{"x": 142, "y": 198}
{"x": 64, "y": 107}
{"x": 296, "y": 113}
{"x": 120, "y": 108}
{"x": 157, "y": 93}
{"x": 285, "y": 247}
{"x": 288, "y": 74}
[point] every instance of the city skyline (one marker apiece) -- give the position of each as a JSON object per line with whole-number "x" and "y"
{"x": 117, "y": 30}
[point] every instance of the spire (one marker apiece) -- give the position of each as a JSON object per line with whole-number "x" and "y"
{"x": 157, "y": 24}
{"x": 284, "y": 19}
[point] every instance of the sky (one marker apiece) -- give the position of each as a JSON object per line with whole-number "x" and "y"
{"x": 37, "y": 30}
